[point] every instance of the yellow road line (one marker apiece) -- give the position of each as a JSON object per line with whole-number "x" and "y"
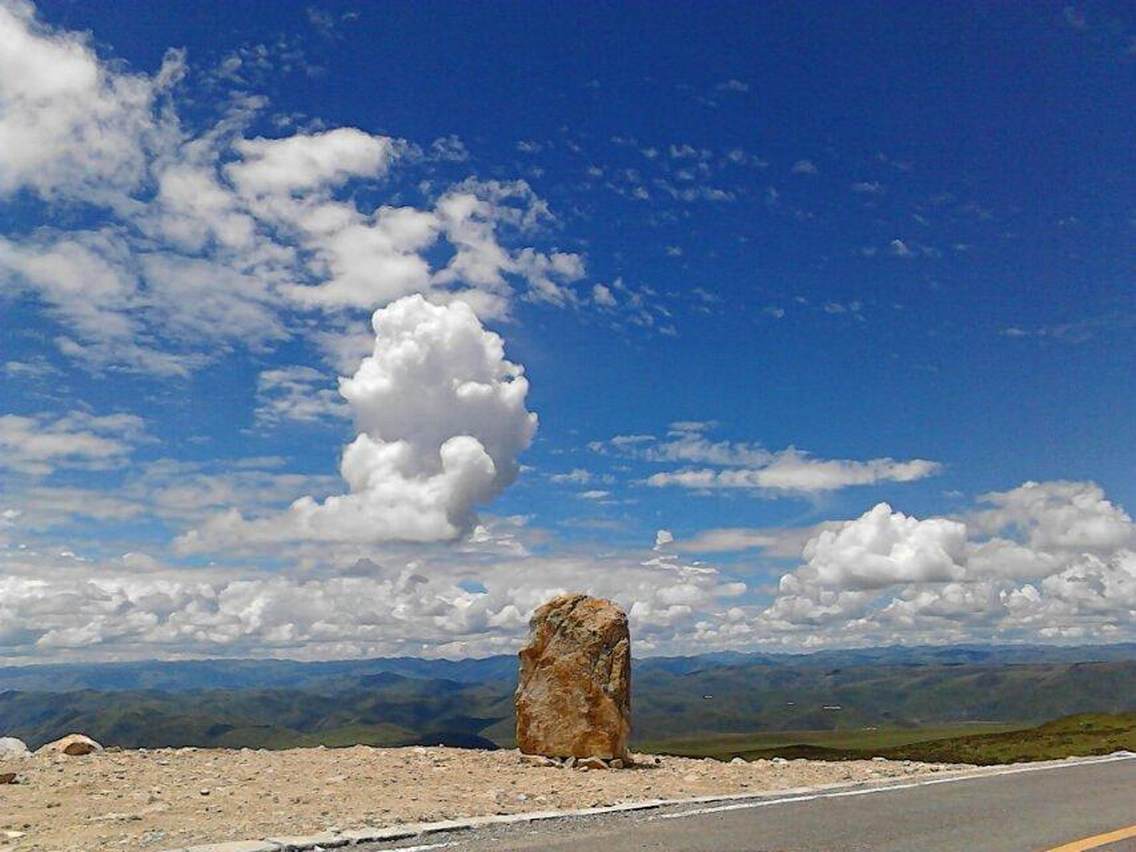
{"x": 1097, "y": 841}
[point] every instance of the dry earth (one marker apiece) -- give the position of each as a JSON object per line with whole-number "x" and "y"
{"x": 161, "y": 798}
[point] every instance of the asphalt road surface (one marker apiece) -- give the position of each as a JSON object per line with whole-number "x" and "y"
{"x": 1091, "y": 806}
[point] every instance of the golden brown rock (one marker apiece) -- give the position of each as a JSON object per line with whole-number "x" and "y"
{"x": 574, "y": 692}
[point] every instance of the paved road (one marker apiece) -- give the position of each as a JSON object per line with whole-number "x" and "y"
{"x": 1038, "y": 809}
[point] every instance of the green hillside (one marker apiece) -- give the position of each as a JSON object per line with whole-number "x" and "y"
{"x": 398, "y": 711}
{"x": 870, "y": 740}
{"x": 1081, "y": 735}
{"x": 749, "y": 708}
{"x": 744, "y": 699}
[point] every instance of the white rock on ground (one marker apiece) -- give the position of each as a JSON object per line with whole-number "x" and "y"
{"x": 72, "y": 745}
{"x": 10, "y": 748}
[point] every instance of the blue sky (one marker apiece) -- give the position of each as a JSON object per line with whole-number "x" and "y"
{"x": 826, "y": 315}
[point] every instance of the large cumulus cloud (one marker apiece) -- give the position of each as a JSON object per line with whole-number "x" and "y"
{"x": 442, "y": 419}
{"x": 883, "y": 547}
{"x": 1045, "y": 560}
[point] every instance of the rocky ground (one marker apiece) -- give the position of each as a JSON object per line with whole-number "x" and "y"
{"x": 161, "y": 798}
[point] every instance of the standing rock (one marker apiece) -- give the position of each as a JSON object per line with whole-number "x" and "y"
{"x": 11, "y": 747}
{"x": 574, "y": 692}
{"x": 72, "y": 745}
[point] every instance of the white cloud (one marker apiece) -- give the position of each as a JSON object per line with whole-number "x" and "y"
{"x": 602, "y": 296}
{"x": 348, "y": 604}
{"x": 201, "y": 300}
{"x": 189, "y": 493}
{"x": 639, "y": 306}
{"x": 69, "y": 126}
{"x": 748, "y": 466}
{"x": 884, "y": 577}
{"x": 1059, "y": 516}
{"x": 548, "y": 274}
{"x": 37, "y": 445}
{"x": 82, "y": 278}
{"x": 576, "y": 476}
{"x": 448, "y": 149}
{"x": 202, "y": 239}
{"x": 688, "y": 193}
{"x": 733, "y": 85}
{"x": 794, "y": 471}
{"x": 687, "y": 443}
{"x": 470, "y": 216}
{"x": 594, "y": 494}
{"x": 36, "y": 367}
{"x": 1051, "y": 561}
{"x": 45, "y": 506}
{"x": 804, "y": 167}
{"x": 727, "y": 539}
{"x": 442, "y": 420}
{"x": 883, "y": 548}
{"x": 684, "y": 152}
{"x": 295, "y": 394}
{"x": 900, "y": 249}
{"x": 165, "y": 492}
{"x": 307, "y": 162}
{"x": 363, "y": 261}
{"x": 681, "y": 426}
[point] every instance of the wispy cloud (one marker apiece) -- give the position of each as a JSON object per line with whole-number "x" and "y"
{"x": 752, "y": 467}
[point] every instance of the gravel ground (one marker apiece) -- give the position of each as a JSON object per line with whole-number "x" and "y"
{"x": 161, "y": 798}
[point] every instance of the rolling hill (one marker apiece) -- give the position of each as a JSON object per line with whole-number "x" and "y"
{"x": 279, "y": 703}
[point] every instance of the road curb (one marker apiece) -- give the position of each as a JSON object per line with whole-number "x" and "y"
{"x": 407, "y": 831}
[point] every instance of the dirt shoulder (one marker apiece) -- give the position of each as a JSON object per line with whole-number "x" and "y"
{"x": 162, "y": 798}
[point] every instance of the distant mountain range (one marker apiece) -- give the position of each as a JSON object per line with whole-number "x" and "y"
{"x": 397, "y": 701}
{"x": 189, "y": 675}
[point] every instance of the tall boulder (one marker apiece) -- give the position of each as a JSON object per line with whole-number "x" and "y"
{"x": 574, "y": 692}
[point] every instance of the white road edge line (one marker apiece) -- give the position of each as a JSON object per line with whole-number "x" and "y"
{"x": 887, "y": 788}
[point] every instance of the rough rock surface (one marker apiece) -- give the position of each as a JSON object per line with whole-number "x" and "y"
{"x": 574, "y": 692}
{"x": 12, "y": 747}
{"x": 72, "y": 745}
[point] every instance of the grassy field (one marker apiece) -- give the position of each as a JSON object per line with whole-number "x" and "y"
{"x": 873, "y": 739}
{"x": 978, "y": 743}
{"x": 1080, "y": 735}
